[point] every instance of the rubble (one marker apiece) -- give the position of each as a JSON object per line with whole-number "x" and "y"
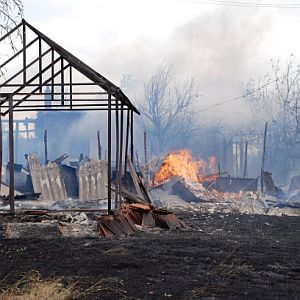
{"x": 233, "y": 185}
{"x": 250, "y": 203}
{"x": 268, "y": 184}
{"x": 212, "y": 201}
{"x": 180, "y": 183}
{"x": 294, "y": 185}
{"x": 133, "y": 215}
{"x": 284, "y": 211}
{"x": 175, "y": 186}
{"x": 77, "y": 230}
{"x": 30, "y": 230}
{"x": 139, "y": 208}
{"x": 127, "y": 219}
{"x": 23, "y": 181}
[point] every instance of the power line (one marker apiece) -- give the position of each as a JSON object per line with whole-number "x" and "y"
{"x": 245, "y": 95}
{"x": 245, "y": 4}
{"x": 239, "y": 3}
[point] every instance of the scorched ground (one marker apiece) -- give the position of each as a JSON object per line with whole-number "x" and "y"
{"x": 220, "y": 257}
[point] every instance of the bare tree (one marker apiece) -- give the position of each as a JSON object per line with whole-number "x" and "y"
{"x": 11, "y": 12}
{"x": 278, "y": 102}
{"x": 167, "y": 110}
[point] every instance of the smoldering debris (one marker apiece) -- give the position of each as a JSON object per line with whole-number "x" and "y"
{"x": 134, "y": 213}
{"x": 54, "y": 214}
{"x": 218, "y": 194}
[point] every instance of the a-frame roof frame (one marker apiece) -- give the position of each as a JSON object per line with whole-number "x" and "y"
{"x": 71, "y": 60}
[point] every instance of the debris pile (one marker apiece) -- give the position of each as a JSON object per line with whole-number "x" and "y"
{"x": 135, "y": 211}
{"x": 176, "y": 186}
{"x": 133, "y": 217}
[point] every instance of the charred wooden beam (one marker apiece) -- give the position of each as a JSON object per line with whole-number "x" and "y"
{"x": 246, "y": 159}
{"x": 1, "y": 150}
{"x": 24, "y": 53}
{"x": 126, "y": 146}
{"x": 131, "y": 136}
{"x": 46, "y": 147}
{"x": 263, "y": 158}
{"x": 117, "y": 153}
{"x": 109, "y": 155}
{"x": 11, "y": 157}
{"x": 121, "y": 151}
{"x": 99, "y": 145}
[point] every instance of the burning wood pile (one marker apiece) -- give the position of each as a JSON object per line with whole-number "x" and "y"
{"x": 182, "y": 181}
{"x": 181, "y": 163}
{"x": 182, "y": 175}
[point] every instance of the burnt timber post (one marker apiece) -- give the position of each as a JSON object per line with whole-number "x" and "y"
{"x": 121, "y": 151}
{"x": 117, "y": 153}
{"x": 1, "y": 150}
{"x": 11, "y": 156}
{"x": 146, "y": 171}
{"x": 242, "y": 155}
{"x": 17, "y": 133}
{"x": 24, "y": 52}
{"x": 126, "y": 146}
{"x": 131, "y": 137}
{"x": 145, "y": 147}
{"x": 246, "y": 159}
{"x": 236, "y": 160}
{"x": 109, "y": 155}
{"x": 46, "y": 147}
{"x": 99, "y": 145}
{"x": 263, "y": 158}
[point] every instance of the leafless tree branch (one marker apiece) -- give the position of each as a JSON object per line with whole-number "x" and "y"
{"x": 11, "y": 12}
{"x": 168, "y": 108}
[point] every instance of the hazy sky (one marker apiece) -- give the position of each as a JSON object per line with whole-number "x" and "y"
{"x": 94, "y": 28}
{"x": 220, "y": 46}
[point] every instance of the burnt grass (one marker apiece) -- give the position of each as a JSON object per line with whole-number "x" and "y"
{"x": 219, "y": 257}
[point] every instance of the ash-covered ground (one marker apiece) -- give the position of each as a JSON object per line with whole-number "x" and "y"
{"x": 221, "y": 256}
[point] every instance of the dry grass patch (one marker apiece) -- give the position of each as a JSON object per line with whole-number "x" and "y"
{"x": 33, "y": 287}
{"x": 115, "y": 251}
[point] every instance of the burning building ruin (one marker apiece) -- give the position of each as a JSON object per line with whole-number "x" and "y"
{"x": 51, "y": 81}
{"x": 182, "y": 164}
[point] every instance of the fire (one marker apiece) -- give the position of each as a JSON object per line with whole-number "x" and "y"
{"x": 181, "y": 163}
{"x": 212, "y": 168}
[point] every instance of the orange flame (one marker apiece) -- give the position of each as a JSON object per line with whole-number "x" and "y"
{"x": 181, "y": 163}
